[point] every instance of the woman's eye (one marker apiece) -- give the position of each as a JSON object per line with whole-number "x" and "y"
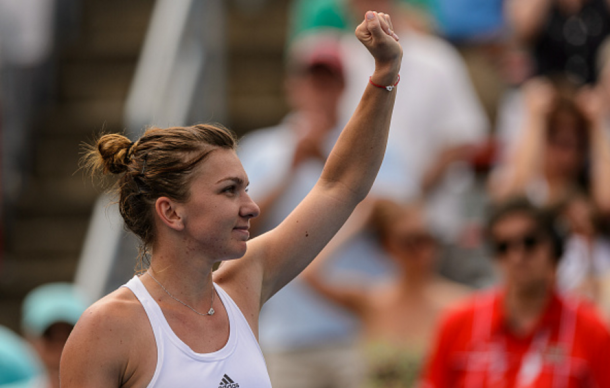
{"x": 230, "y": 190}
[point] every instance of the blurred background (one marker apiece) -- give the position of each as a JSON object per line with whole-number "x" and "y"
{"x": 498, "y": 98}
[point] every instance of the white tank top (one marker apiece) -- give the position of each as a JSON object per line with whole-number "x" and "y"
{"x": 239, "y": 364}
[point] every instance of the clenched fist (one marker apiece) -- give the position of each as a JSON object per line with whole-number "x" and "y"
{"x": 377, "y": 34}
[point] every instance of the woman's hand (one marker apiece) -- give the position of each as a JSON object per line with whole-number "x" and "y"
{"x": 539, "y": 97}
{"x": 377, "y": 34}
{"x": 591, "y": 103}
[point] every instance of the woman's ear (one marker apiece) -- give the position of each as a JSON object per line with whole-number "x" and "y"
{"x": 167, "y": 211}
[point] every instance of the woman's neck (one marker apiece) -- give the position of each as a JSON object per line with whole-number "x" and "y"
{"x": 186, "y": 278}
{"x": 413, "y": 280}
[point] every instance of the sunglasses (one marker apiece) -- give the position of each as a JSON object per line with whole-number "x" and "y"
{"x": 528, "y": 242}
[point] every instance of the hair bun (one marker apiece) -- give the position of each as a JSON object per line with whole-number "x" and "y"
{"x": 114, "y": 152}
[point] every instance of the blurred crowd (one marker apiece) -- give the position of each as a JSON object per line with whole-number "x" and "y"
{"x": 49, "y": 312}
{"x": 30, "y": 33}
{"x": 482, "y": 255}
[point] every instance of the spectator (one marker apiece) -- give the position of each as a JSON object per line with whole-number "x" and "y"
{"x": 585, "y": 267}
{"x": 516, "y": 68}
{"x": 310, "y": 15}
{"x": 49, "y": 314}
{"x": 477, "y": 29}
{"x": 563, "y": 35}
{"x": 19, "y": 366}
{"x": 563, "y": 147}
{"x": 306, "y": 341}
{"x": 470, "y": 20}
{"x": 523, "y": 334}
{"x": 398, "y": 316}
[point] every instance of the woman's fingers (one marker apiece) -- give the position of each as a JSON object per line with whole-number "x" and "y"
{"x": 374, "y": 25}
{"x": 386, "y": 25}
{"x": 377, "y": 36}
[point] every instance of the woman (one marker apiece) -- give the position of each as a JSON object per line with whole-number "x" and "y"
{"x": 563, "y": 148}
{"x": 563, "y": 35}
{"x": 398, "y": 317}
{"x": 184, "y": 193}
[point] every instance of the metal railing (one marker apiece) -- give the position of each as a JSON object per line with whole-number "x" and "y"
{"x": 179, "y": 80}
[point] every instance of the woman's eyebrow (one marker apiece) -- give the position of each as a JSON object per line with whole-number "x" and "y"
{"x": 237, "y": 180}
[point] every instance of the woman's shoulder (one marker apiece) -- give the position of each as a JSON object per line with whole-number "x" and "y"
{"x": 108, "y": 341}
{"x": 118, "y": 312}
{"x": 448, "y": 292}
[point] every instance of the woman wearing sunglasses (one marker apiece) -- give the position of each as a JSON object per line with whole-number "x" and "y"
{"x": 398, "y": 316}
{"x": 523, "y": 334}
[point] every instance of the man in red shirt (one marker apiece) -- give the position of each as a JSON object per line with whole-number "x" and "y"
{"x": 523, "y": 334}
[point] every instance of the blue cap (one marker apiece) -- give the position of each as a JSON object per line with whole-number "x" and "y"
{"x": 49, "y": 304}
{"x": 19, "y": 365}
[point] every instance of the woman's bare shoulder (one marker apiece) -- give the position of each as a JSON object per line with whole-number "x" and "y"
{"x": 120, "y": 306}
{"x": 117, "y": 315}
{"x": 448, "y": 292}
{"x": 105, "y": 340}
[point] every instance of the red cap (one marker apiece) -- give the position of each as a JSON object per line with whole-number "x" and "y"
{"x": 320, "y": 48}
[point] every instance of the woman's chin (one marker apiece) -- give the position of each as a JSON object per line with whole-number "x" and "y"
{"x": 238, "y": 253}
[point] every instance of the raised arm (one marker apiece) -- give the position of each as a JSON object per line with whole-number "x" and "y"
{"x": 278, "y": 256}
{"x": 592, "y": 104}
{"x": 524, "y": 164}
{"x": 527, "y": 17}
{"x": 352, "y": 298}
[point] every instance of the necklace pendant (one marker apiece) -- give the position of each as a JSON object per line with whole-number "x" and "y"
{"x": 211, "y": 311}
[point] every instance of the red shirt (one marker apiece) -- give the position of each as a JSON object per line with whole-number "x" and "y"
{"x": 569, "y": 347}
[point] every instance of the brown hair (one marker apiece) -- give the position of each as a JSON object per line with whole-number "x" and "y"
{"x": 386, "y": 213}
{"x": 159, "y": 164}
{"x": 545, "y": 220}
{"x": 566, "y": 90}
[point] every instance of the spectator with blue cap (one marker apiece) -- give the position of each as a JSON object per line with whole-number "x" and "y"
{"x": 19, "y": 366}
{"x": 49, "y": 315}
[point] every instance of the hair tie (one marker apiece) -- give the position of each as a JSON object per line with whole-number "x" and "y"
{"x": 128, "y": 154}
{"x": 138, "y": 178}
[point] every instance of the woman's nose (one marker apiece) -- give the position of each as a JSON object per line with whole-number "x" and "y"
{"x": 250, "y": 208}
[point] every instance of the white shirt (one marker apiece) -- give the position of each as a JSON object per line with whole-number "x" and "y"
{"x": 239, "y": 364}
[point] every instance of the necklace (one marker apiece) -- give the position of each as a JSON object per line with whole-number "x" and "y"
{"x": 211, "y": 311}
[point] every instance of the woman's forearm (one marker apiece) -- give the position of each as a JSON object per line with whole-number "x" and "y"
{"x": 357, "y": 156}
{"x": 526, "y": 17}
{"x": 600, "y": 167}
{"x": 524, "y": 164}
{"x": 353, "y": 163}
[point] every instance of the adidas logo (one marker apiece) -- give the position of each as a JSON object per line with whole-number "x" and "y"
{"x": 226, "y": 382}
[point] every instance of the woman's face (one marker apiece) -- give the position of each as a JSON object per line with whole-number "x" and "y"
{"x": 409, "y": 241}
{"x": 217, "y": 215}
{"x": 565, "y": 146}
